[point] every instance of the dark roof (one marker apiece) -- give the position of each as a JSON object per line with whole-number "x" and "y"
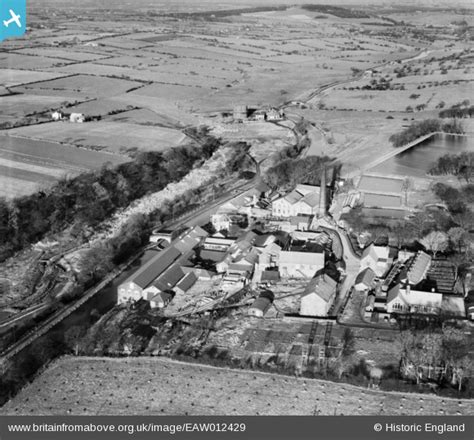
{"x": 215, "y": 256}
{"x": 366, "y": 276}
{"x": 166, "y": 296}
{"x": 262, "y": 304}
{"x": 169, "y": 279}
{"x": 270, "y": 275}
{"x": 187, "y": 282}
{"x": 155, "y": 267}
{"x": 260, "y": 240}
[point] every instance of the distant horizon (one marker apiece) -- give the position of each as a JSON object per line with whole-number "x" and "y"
{"x": 228, "y": 4}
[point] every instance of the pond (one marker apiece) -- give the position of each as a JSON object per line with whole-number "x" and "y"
{"x": 416, "y": 161}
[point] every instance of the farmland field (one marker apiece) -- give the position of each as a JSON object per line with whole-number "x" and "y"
{"x": 112, "y": 136}
{"x": 28, "y": 165}
{"x": 146, "y": 386}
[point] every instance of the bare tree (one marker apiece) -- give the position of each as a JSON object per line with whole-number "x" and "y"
{"x": 435, "y": 242}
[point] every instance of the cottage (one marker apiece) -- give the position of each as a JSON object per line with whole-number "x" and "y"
{"x": 162, "y": 299}
{"x": 365, "y": 280}
{"x": 57, "y": 116}
{"x": 318, "y": 296}
{"x": 300, "y": 264}
{"x": 408, "y": 300}
{"x": 378, "y": 258}
{"x": 78, "y": 118}
{"x": 275, "y": 115}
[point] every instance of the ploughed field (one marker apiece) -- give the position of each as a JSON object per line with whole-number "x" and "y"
{"x": 84, "y": 386}
{"x": 27, "y": 165}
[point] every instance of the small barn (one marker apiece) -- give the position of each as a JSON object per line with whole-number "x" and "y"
{"x": 162, "y": 299}
{"x": 261, "y": 305}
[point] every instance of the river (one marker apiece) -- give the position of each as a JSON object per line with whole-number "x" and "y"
{"x": 416, "y": 161}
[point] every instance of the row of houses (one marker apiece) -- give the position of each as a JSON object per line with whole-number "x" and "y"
{"x": 407, "y": 282}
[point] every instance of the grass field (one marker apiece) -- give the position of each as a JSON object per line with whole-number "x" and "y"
{"x": 146, "y": 386}
{"x": 112, "y": 136}
{"x": 28, "y": 165}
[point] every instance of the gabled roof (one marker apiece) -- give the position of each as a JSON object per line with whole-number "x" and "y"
{"x": 311, "y": 199}
{"x": 323, "y": 286}
{"x": 215, "y": 256}
{"x": 190, "y": 240}
{"x": 418, "y": 268}
{"x": 366, "y": 277}
{"x": 187, "y": 282}
{"x": 155, "y": 267}
{"x": 169, "y": 279}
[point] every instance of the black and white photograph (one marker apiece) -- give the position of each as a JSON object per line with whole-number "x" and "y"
{"x": 225, "y": 209}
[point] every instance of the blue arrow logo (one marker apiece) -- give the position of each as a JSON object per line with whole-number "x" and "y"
{"x": 12, "y": 18}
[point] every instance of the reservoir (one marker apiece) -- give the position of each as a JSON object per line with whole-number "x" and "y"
{"x": 419, "y": 159}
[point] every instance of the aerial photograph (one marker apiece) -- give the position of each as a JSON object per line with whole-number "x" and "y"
{"x": 221, "y": 208}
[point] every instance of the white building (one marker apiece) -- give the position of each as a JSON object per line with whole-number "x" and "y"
{"x": 300, "y": 264}
{"x": 77, "y": 118}
{"x": 318, "y": 296}
{"x": 303, "y": 200}
{"x": 378, "y": 258}
{"x": 408, "y": 300}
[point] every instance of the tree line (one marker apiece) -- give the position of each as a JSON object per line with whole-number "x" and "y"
{"x": 421, "y": 128}
{"x": 460, "y": 165}
{"x": 88, "y": 199}
{"x": 289, "y": 173}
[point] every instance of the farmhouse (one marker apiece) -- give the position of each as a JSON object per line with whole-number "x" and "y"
{"x": 318, "y": 296}
{"x": 78, "y": 118}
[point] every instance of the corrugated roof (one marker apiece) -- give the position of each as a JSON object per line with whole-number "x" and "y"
{"x": 419, "y": 267}
{"x": 155, "y": 267}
